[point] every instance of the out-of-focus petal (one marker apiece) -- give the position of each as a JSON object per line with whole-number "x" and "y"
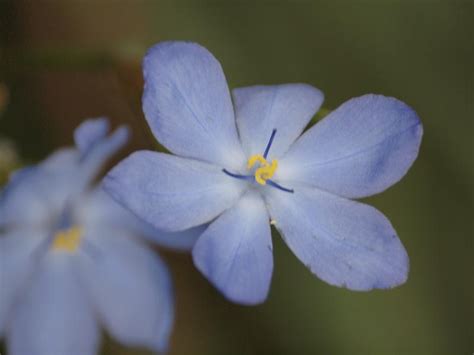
{"x": 130, "y": 288}
{"x": 19, "y": 201}
{"x": 30, "y": 200}
{"x": 287, "y": 108}
{"x": 343, "y": 242}
{"x": 170, "y": 192}
{"x": 235, "y": 252}
{"x": 360, "y": 149}
{"x": 53, "y": 315}
{"x": 99, "y": 208}
{"x": 90, "y": 132}
{"x": 187, "y": 104}
{"x": 36, "y": 194}
{"x": 64, "y": 161}
{"x": 96, "y": 157}
{"x": 20, "y": 251}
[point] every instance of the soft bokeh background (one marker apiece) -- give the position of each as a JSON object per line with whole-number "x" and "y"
{"x": 62, "y": 61}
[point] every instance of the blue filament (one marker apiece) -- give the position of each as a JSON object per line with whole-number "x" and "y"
{"x": 238, "y": 176}
{"x": 279, "y": 187}
{"x": 267, "y": 149}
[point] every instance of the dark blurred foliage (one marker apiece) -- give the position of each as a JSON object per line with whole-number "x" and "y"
{"x": 63, "y": 61}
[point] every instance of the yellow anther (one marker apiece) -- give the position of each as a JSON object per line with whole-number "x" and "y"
{"x": 67, "y": 239}
{"x": 256, "y": 158}
{"x": 266, "y": 171}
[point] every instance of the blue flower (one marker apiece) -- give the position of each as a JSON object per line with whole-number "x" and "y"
{"x": 70, "y": 261}
{"x": 243, "y": 164}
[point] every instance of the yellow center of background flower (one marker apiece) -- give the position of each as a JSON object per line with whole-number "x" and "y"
{"x": 67, "y": 240}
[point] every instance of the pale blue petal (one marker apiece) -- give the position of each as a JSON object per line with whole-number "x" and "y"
{"x": 17, "y": 176}
{"x": 360, "y": 149}
{"x": 130, "y": 288}
{"x": 287, "y": 108}
{"x": 182, "y": 241}
{"x": 44, "y": 189}
{"x": 63, "y": 177}
{"x": 170, "y": 192}
{"x": 36, "y": 193}
{"x": 76, "y": 168}
{"x": 53, "y": 316}
{"x": 16, "y": 202}
{"x": 187, "y": 104}
{"x": 98, "y": 208}
{"x": 90, "y": 132}
{"x": 20, "y": 251}
{"x": 235, "y": 252}
{"x": 63, "y": 161}
{"x": 343, "y": 242}
{"x": 30, "y": 199}
{"x": 97, "y": 156}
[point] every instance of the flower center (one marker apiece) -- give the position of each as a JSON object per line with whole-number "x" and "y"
{"x": 265, "y": 171}
{"x": 67, "y": 240}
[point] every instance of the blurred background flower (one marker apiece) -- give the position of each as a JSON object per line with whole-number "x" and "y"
{"x": 71, "y": 258}
{"x": 63, "y": 61}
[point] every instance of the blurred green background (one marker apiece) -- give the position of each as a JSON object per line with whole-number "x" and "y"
{"x": 63, "y": 61}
